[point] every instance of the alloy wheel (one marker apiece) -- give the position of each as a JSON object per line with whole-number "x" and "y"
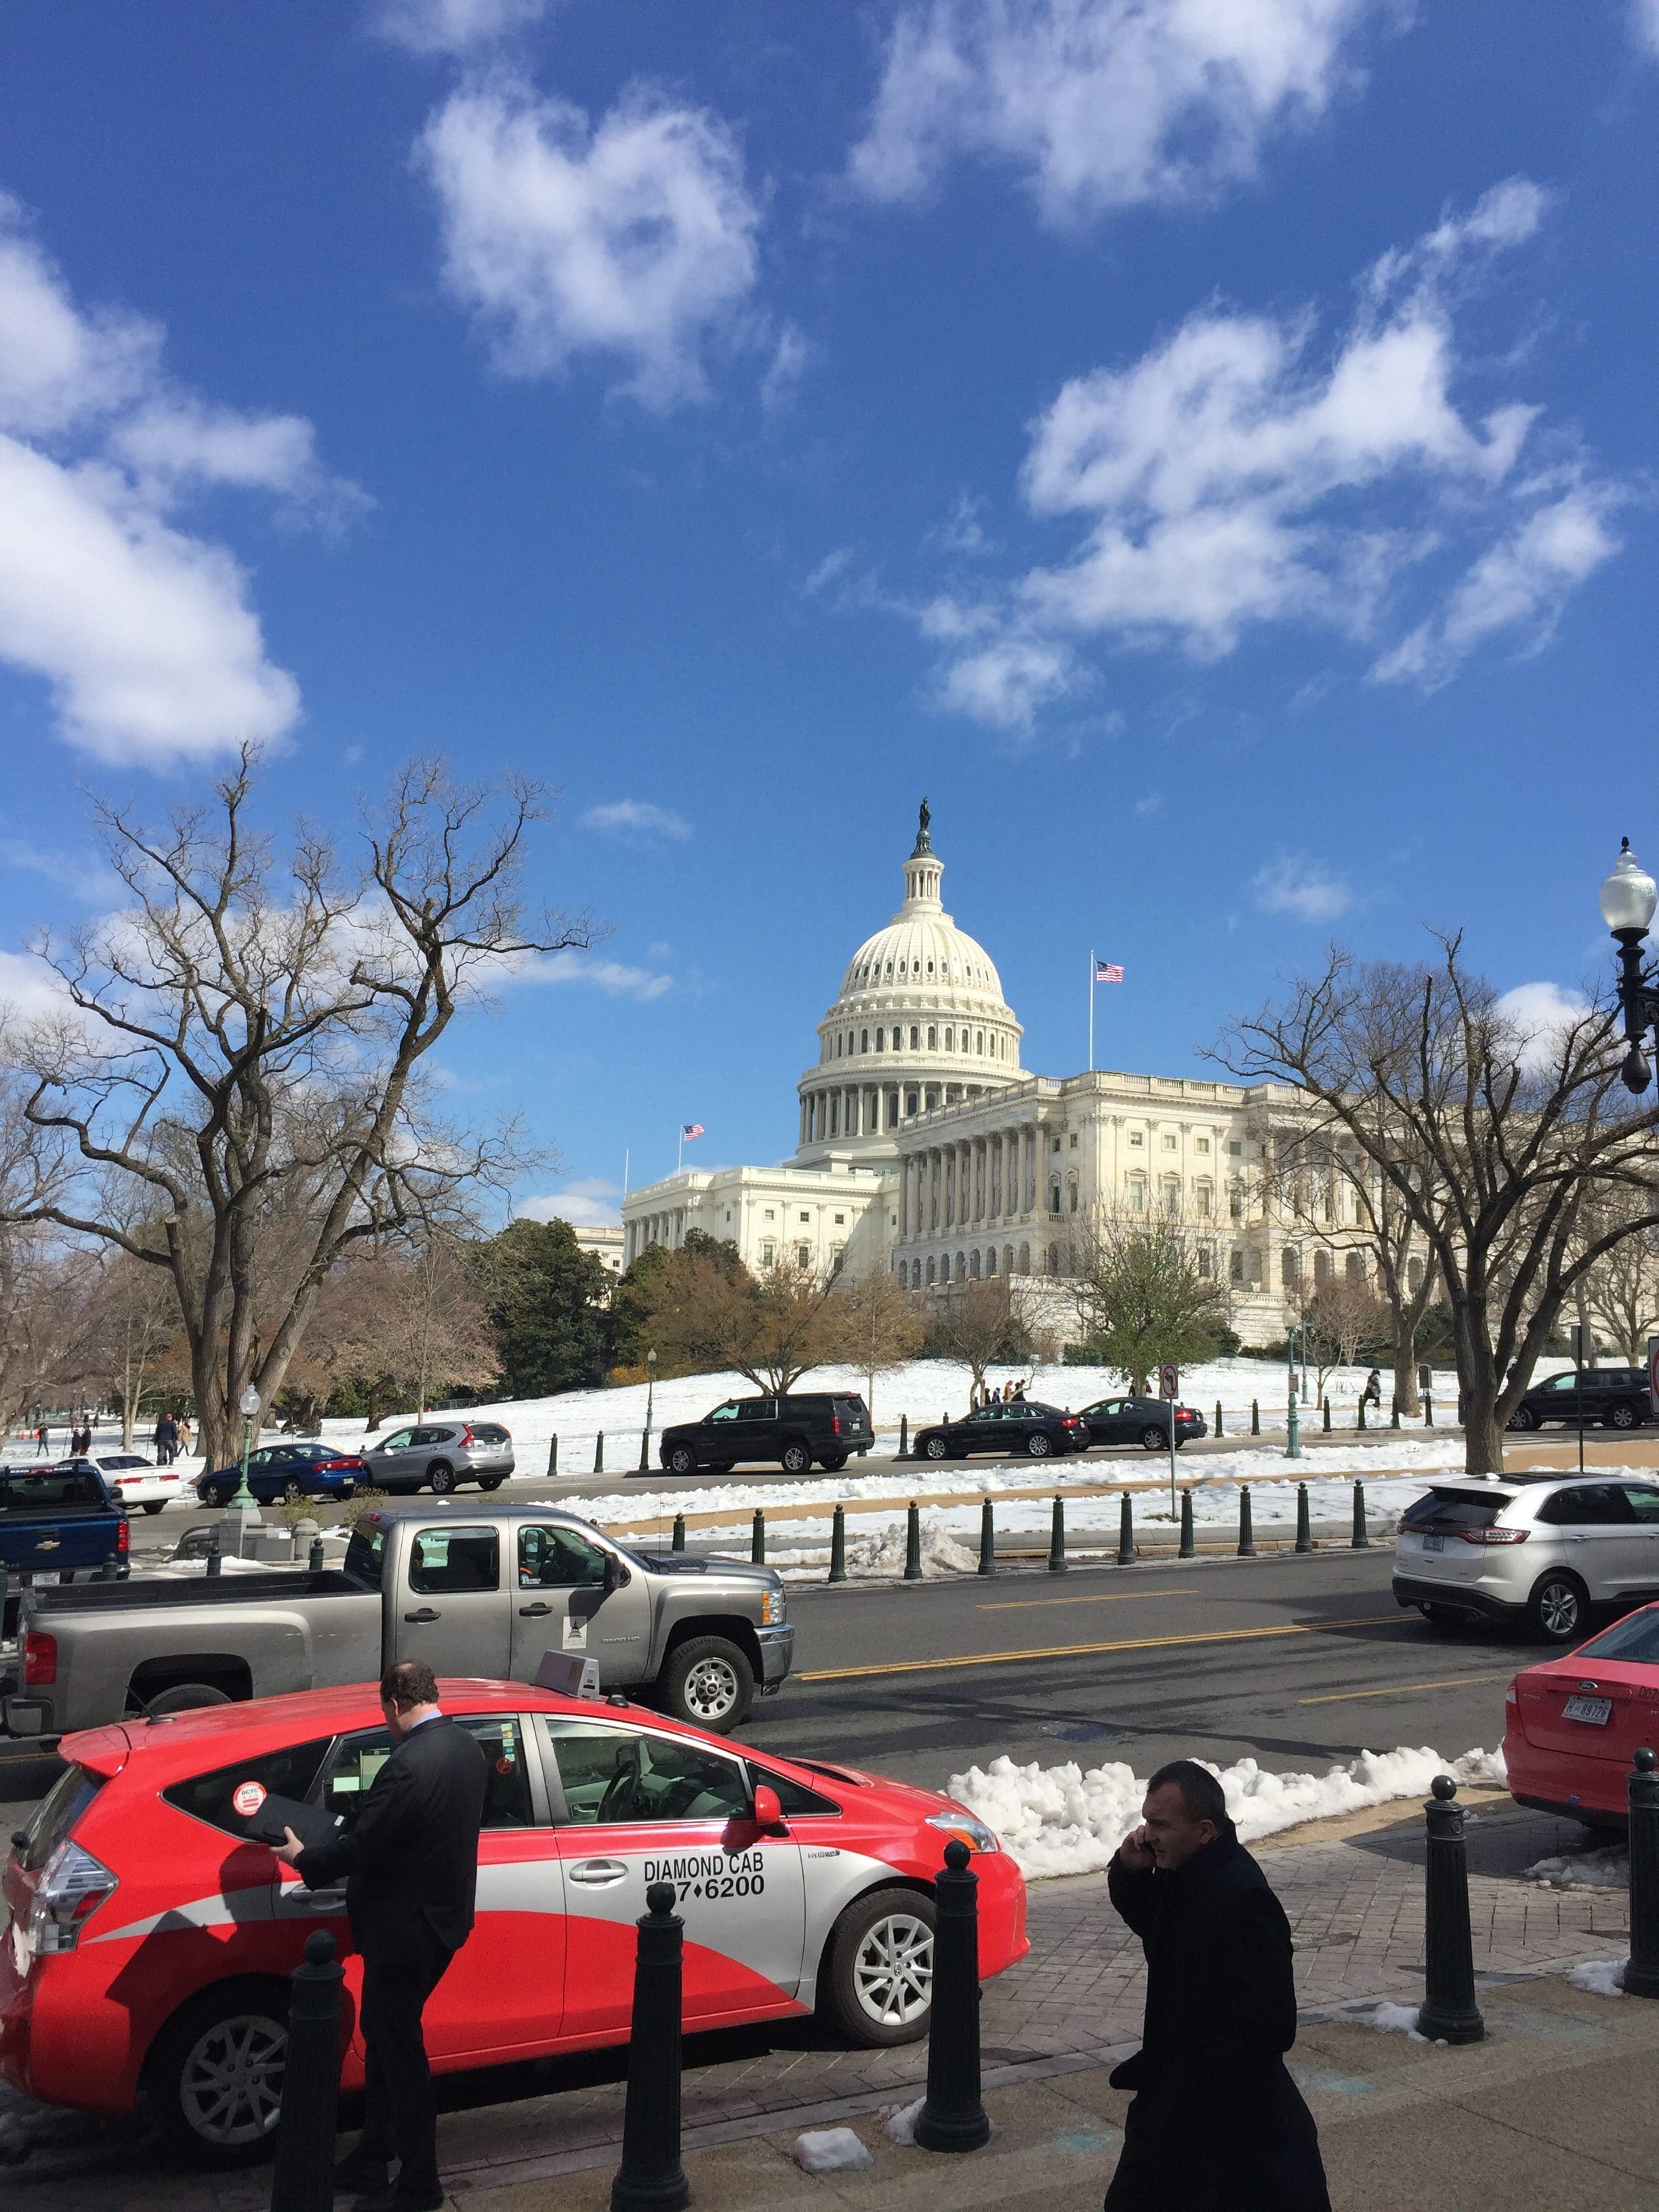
{"x": 1557, "y": 1610}
{"x": 712, "y": 1689}
{"x": 893, "y": 1972}
{"x": 230, "y": 2087}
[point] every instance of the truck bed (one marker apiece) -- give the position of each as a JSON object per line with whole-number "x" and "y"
{"x": 139, "y": 1594}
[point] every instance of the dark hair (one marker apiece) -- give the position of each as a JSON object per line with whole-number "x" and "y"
{"x": 1201, "y": 1795}
{"x": 410, "y": 1682}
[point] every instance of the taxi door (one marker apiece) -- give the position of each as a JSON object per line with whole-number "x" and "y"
{"x": 503, "y": 1994}
{"x": 636, "y": 1807}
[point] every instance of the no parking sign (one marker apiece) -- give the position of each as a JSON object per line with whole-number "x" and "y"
{"x": 1168, "y": 1377}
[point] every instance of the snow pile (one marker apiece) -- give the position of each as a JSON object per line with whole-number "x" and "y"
{"x": 1606, "y": 1868}
{"x": 1387, "y": 2019}
{"x": 1065, "y": 1819}
{"x": 1603, "y": 1978}
{"x": 831, "y": 2150}
{"x": 901, "y": 2120}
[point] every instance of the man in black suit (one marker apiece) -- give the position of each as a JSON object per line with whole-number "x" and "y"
{"x": 411, "y": 1867}
{"x": 1217, "y": 2124}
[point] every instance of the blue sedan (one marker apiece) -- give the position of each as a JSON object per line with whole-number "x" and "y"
{"x": 285, "y": 1474}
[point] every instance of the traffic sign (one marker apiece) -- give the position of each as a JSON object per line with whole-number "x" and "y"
{"x": 1169, "y": 1380}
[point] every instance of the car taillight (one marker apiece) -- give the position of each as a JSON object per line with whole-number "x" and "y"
{"x": 1071, "y": 1421}
{"x": 71, "y": 1888}
{"x": 466, "y": 1436}
{"x": 835, "y": 1424}
{"x": 1492, "y": 1535}
{"x": 124, "y": 1535}
{"x": 39, "y": 1660}
{"x": 346, "y": 1463}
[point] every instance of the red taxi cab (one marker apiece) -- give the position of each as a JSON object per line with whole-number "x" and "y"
{"x": 150, "y": 1937}
{"x": 1573, "y": 1722}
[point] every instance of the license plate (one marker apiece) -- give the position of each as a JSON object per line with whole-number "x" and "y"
{"x": 1596, "y": 1711}
{"x": 1434, "y": 1543}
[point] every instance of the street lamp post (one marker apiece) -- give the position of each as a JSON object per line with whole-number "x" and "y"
{"x": 1629, "y": 897}
{"x": 248, "y": 1406}
{"x": 650, "y": 1395}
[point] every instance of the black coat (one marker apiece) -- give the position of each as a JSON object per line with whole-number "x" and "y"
{"x": 411, "y": 1859}
{"x": 1217, "y": 2121}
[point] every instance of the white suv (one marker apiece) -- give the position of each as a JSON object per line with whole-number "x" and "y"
{"x": 1512, "y": 1549}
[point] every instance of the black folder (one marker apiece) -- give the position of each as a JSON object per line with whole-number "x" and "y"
{"x": 312, "y": 1823}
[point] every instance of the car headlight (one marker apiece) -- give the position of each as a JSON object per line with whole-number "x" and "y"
{"x": 772, "y": 1608}
{"x": 962, "y": 1824}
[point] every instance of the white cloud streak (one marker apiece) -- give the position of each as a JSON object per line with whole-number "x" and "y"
{"x": 1643, "y": 21}
{"x": 1104, "y": 104}
{"x": 591, "y": 1202}
{"x": 1304, "y": 888}
{"x": 143, "y": 631}
{"x": 453, "y": 27}
{"x": 633, "y": 238}
{"x": 617, "y": 978}
{"x": 638, "y": 819}
{"x": 1539, "y": 1016}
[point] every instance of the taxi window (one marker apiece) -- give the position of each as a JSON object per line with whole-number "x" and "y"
{"x": 212, "y": 1797}
{"x": 793, "y": 1797}
{"x": 452, "y": 1560}
{"x": 557, "y": 1558}
{"x": 355, "y": 1760}
{"x": 613, "y": 1774}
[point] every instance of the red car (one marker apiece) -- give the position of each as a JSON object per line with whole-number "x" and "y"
{"x": 1573, "y": 1722}
{"x": 150, "y": 1937}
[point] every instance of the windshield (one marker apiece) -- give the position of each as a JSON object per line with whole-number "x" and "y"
{"x": 1635, "y": 1639}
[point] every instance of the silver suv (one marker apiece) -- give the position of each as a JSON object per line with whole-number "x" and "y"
{"x": 438, "y": 1455}
{"x": 1512, "y": 1549}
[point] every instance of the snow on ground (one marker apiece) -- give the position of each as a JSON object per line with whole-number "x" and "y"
{"x": 1603, "y": 1977}
{"x": 1606, "y": 1868}
{"x": 831, "y": 2150}
{"x": 1389, "y": 2019}
{"x": 1065, "y": 1819}
{"x": 901, "y": 2120}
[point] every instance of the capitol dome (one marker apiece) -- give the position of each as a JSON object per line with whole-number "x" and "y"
{"x": 920, "y": 1022}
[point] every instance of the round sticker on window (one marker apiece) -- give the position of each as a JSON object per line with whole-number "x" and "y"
{"x": 247, "y": 1797}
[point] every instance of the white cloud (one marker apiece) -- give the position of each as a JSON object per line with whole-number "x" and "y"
{"x": 1304, "y": 888}
{"x": 1237, "y": 474}
{"x": 1104, "y": 103}
{"x": 29, "y": 990}
{"x": 636, "y": 817}
{"x": 1644, "y": 26}
{"x": 632, "y": 237}
{"x": 1540, "y": 1015}
{"x": 781, "y": 381}
{"x": 589, "y": 1203}
{"x": 143, "y": 631}
{"x": 453, "y": 27}
{"x": 614, "y": 977}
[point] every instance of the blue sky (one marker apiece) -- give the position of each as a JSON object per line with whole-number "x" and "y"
{"x": 1209, "y": 451}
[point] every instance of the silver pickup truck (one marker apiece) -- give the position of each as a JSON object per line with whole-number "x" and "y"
{"x": 475, "y": 1589}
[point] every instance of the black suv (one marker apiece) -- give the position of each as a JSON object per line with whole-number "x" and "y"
{"x": 1614, "y": 1397}
{"x": 793, "y": 1432}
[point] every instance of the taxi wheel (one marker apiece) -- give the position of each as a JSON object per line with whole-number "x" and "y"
{"x": 214, "y": 2077}
{"x": 709, "y": 1682}
{"x": 1558, "y": 1608}
{"x": 880, "y": 1985}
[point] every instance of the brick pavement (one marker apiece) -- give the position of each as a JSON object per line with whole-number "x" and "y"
{"x": 1355, "y": 1903}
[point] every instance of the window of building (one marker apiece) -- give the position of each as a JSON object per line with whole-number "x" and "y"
{"x": 1322, "y": 1267}
{"x": 1137, "y": 1138}
{"x": 1136, "y": 1193}
{"x": 913, "y": 1033}
{"x": 979, "y": 1041}
{"x": 864, "y": 1040}
{"x": 1201, "y": 1144}
{"x": 1207, "y": 1261}
{"x": 1074, "y": 1140}
{"x": 807, "y": 1217}
{"x": 880, "y": 1034}
{"x": 1355, "y": 1264}
{"x": 1236, "y": 1267}
{"x": 910, "y": 1102}
{"x": 1235, "y": 1203}
{"x": 1071, "y": 1194}
{"x": 840, "y": 1219}
{"x": 1171, "y": 1195}
{"x": 1169, "y": 1142}
{"x": 1054, "y": 1198}
{"x": 1054, "y": 1144}
{"x": 836, "y": 1251}
{"x": 803, "y": 1255}
{"x": 1290, "y": 1266}
{"x": 1414, "y": 1275}
{"x": 1204, "y": 1200}
{"x": 770, "y": 1214}
{"x": 932, "y": 1038}
{"x": 950, "y": 1036}
{"x": 1236, "y": 1151}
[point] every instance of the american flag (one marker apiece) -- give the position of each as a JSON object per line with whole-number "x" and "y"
{"x": 690, "y": 1129}
{"x": 1108, "y": 971}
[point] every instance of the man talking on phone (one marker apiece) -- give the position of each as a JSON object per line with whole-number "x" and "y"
{"x": 411, "y": 1866}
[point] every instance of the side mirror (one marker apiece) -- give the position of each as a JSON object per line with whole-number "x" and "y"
{"x": 769, "y": 1813}
{"x": 615, "y": 1575}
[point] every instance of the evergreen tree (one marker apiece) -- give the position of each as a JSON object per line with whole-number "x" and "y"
{"x": 548, "y": 1305}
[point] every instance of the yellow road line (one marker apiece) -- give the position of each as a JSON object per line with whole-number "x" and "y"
{"x": 1085, "y": 1650}
{"x": 1106, "y": 1597}
{"x": 1401, "y": 1689}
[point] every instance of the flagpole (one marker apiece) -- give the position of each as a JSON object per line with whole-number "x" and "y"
{"x": 1091, "y": 1011}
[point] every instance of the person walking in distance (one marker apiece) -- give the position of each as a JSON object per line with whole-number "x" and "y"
{"x": 411, "y": 1868}
{"x": 1216, "y": 2123}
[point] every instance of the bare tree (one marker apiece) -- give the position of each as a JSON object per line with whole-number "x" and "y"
{"x": 1620, "y": 1295}
{"x": 879, "y": 1326}
{"x": 134, "y": 1318}
{"x": 239, "y": 1051}
{"x": 706, "y": 1311}
{"x": 1494, "y": 1140}
{"x": 1337, "y": 1317}
{"x": 1143, "y": 1297}
{"x": 398, "y": 1320}
{"x": 976, "y": 1322}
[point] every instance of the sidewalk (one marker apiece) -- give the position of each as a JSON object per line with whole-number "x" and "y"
{"x": 544, "y": 2137}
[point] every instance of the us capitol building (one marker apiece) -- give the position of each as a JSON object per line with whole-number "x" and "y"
{"x": 925, "y": 1148}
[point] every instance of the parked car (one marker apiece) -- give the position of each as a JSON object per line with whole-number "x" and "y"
{"x": 285, "y": 1471}
{"x": 1022, "y": 1425}
{"x": 1610, "y": 1398}
{"x": 789, "y": 1432}
{"x": 134, "y": 1480}
{"x": 483, "y": 1589}
{"x": 1528, "y": 1551}
{"x": 437, "y": 1455}
{"x": 56, "y": 1523}
{"x": 1573, "y": 1722}
{"x": 150, "y": 1935}
{"x": 1143, "y": 1421}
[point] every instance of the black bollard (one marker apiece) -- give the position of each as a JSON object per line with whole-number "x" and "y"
{"x": 599, "y": 1453}
{"x": 988, "y": 1540}
{"x": 1304, "y": 1533}
{"x": 645, "y": 1451}
{"x": 952, "y": 2118}
{"x": 1057, "y": 1538}
{"x": 1641, "y": 1976}
{"x": 1125, "y": 1532}
{"x": 314, "y": 1557}
{"x": 109, "y": 1571}
{"x": 1360, "y": 1423}
{"x": 758, "y": 1540}
{"x": 552, "y": 1459}
{"x": 1448, "y": 2013}
{"x": 1428, "y": 1409}
{"x": 677, "y": 1541}
{"x": 904, "y": 1435}
{"x": 1325, "y": 1411}
{"x": 912, "y": 1543}
{"x": 1218, "y": 1429}
{"x": 1188, "y": 1548}
{"x": 1360, "y": 1540}
{"x": 1255, "y": 1418}
{"x": 214, "y": 1565}
{"x": 1246, "y": 1537}
{"x": 838, "y": 1545}
{"x": 651, "y": 2177}
{"x": 304, "y": 2177}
